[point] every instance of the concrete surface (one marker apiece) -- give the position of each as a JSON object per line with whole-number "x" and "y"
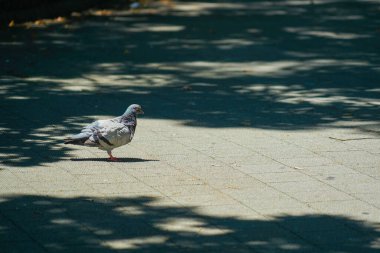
{"x": 260, "y": 133}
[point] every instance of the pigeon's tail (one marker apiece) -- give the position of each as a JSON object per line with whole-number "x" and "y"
{"x": 79, "y": 139}
{"x": 75, "y": 141}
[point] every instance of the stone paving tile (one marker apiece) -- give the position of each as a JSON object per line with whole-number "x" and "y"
{"x": 347, "y": 178}
{"x": 165, "y": 148}
{"x": 215, "y": 172}
{"x": 326, "y": 170}
{"x": 252, "y": 159}
{"x": 8, "y": 179}
{"x": 181, "y": 160}
{"x": 18, "y": 190}
{"x": 370, "y": 171}
{"x": 320, "y": 195}
{"x": 70, "y": 193}
{"x": 126, "y": 187}
{"x": 28, "y": 169}
{"x": 199, "y": 165}
{"x": 287, "y": 151}
{"x": 320, "y": 143}
{"x": 55, "y": 186}
{"x": 106, "y": 177}
{"x": 277, "y": 203}
{"x": 204, "y": 200}
{"x": 299, "y": 210}
{"x": 369, "y": 145}
{"x": 354, "y": 159}
{"x": 139, "y": 164}
{"x": 16, "y": 185}
{"x": 258, "y": 144}
{"x": 160, "y": 171}
{"x": 77, "y": 168}
{"x": 301, "y": 186}
{"x": 51, "y": 174}
{"x": 346, "y": 133}
{"x": 235, "y": 183}
{"x": 222, "y": 146}
{"x": 371, "y": 198}
{"x": 236, "y": 158}
{"x": 229, "y": 149}
{"x": 351, "y": 208}
{"x": 293, "y": 176}
{"x": 250, "y": 134}
{"x": 352, "y": 183}
{"x": 259, "y": 192}
{"x": 180, "y": 179}
{"x": 272, "y": 167}
{"x": 184, "y": 190}
{"x": 306, "y": 161}
{"x": 235, "y": 210}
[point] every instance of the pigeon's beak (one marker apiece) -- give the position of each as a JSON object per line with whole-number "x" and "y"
{"x": 141, "y": 111}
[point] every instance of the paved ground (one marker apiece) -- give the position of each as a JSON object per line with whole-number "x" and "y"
{"x": 261, "y": 131}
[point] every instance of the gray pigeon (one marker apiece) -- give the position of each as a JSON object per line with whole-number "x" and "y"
{"x": 110, "y": 133}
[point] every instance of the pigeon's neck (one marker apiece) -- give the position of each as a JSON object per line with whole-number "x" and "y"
{"x": 129, "y": 119}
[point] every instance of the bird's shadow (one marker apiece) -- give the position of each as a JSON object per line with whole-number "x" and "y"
{"x": 120, "y": 160}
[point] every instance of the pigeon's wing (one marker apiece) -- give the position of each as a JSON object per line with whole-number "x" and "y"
{"x": 112, "y": 135}
{"x": 89, "y": 135}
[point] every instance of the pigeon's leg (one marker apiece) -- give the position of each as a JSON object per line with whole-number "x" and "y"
{"x": 111, "y": 158}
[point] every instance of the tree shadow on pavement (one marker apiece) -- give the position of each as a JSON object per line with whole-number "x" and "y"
{"x": 280, "y": 65}
{"x": 143, "y": 224}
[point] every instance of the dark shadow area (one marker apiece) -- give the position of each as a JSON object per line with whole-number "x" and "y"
{"x": 119, "y": 160}
{"x": 288, "y": 65}
{"x": 30, "y": 10}
{"x": 142, "y": 224}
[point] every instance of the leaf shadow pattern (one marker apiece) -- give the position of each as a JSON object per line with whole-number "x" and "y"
{"x": 142, "y": 224}
{"x": 280, "y": 65}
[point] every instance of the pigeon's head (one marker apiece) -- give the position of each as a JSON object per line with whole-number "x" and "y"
{"x": 135, "y": 109}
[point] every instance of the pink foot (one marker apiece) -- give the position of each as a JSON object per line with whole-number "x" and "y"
{"x": 113, "y": 159}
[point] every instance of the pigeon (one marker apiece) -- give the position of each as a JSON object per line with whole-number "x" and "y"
{"x": 109, "y": 133}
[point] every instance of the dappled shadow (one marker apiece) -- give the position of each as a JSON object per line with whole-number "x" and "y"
{"x": 144, "y": 224}
{"x": 260, "y": 64}
{"x": 119, "y": 160}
